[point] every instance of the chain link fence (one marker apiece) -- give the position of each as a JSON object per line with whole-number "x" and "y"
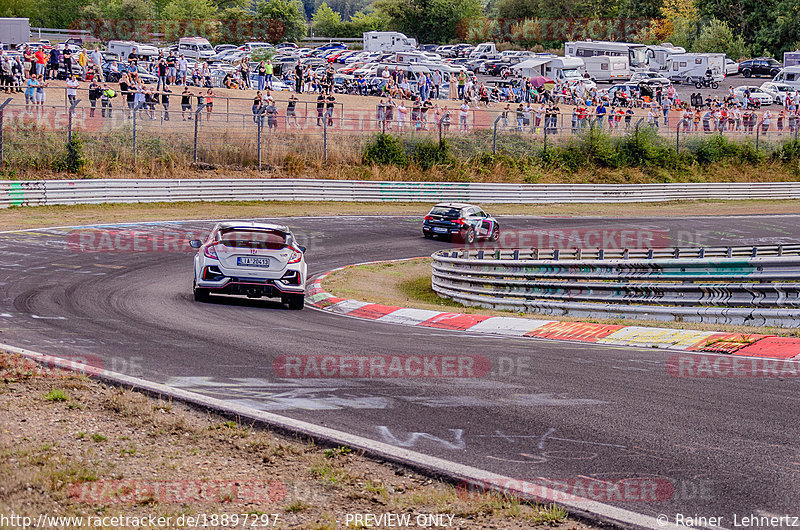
{"x": 116, "y": 134}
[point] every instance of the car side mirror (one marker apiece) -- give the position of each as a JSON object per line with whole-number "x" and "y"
{"x": 195, "y": 243}
{"x": 302, "y": 248}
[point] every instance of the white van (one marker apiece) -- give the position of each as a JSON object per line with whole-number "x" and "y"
{"x": 387, "y": 41}
{"x": 487, "y": 50}
{"x": 564, "y": 69}
{"x": 123, "y": 48}
{"x": 789, "y": 76}
{"x": 195, "y": 48}
{"x": 607, "y": 68}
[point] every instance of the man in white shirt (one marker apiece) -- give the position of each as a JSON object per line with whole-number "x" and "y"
{"x": 72, "y": 89}
{"x": 437, "y": 80}
{"x": 97, "y": 61}
{"x": 183, "y": 65}
{"x": 462, "y": 115}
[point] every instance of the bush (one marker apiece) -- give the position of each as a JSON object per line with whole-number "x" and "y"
{"x": 385, "y": 150}
{"x": 714, "y": 149}
{"x": 428, "y": 153}
{"x": 74, "y": 160}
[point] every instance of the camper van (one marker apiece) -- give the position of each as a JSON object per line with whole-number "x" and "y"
{"x": 562, "y": 69}
{"x": 123, "y": 49}
{"x": 789, "y": 76}
{"x": 195, "y": 48}
{"x": 657, "y": 54}
{"x": 685, "y": 66}
{"x": 636, "y": 53}
{"x": 387, "y": 41}
{"x": 607, "y": 68}
{"x": 487, "y": 50}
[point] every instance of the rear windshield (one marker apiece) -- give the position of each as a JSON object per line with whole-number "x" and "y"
{"x": 266, "y": 239}
{"x": 446, "y": 211}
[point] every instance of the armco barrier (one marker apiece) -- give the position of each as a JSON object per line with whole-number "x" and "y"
{"x": 51, "y": 192}
{"x": 724, "y": 285}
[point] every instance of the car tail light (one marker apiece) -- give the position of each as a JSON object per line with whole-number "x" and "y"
{"x": 458, "y": 221}
{"x": 209, "y": 251}
{"x": 296, "y": 256}
{"x": 429, "y": 218}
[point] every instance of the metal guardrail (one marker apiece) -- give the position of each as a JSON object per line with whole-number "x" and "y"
{"x": 722, "y": 285}
{"x": 97, "y": 191}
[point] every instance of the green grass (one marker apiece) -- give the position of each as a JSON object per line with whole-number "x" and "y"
{"x": 56, "y": 395}
{"x": 297, "y": 506}
{"x": 97, "y": 437}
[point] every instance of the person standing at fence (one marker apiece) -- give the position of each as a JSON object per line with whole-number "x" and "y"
{"x": 402, "y": 113}
{"x": 162, "y": 73}
{"x": 182, "y": 65}
{"x": 330, "y": 103}
{"x": 209, "y": 102}
{"x": 30, "y": 63}
{"x": 40, "y": 61}
{"x": 244, "y": 73}
{"x": 52, "y": 65}
{"x": 320, "y": 108}
{"x": 186, "y": 104}
{"x": 261, "y": 75}
{"x": 72, "y": 89}
{"x": 83, "y": 62}
{"x": 291, "y": 112}
{"x": 463, "y": 114}
{"x": 766, "y": 121}
{"x": 258, "y": 102}
{"x": 105, "y": 100}
{"x": 269, "y": 69}
{"x": 298, "y": 78}
{"x": 95, "y": 91}
{"x": 272, "y": 113}
{"x": 97, "y": 64}
{"x": 30, "y": 91}
{"x": 66, "y": 59}
{"x": 165, "y": 103}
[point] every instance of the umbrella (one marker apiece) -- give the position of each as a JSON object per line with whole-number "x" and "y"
{"x": 540, "y": 80}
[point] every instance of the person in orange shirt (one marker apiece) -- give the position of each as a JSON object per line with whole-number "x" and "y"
{"x": 41, "y": 61}
{"x": 209, "y": 102}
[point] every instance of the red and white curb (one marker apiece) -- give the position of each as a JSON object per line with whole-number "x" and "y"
{"x": 746, "y": 345}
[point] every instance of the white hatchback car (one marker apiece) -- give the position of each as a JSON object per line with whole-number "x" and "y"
{"x": 250, "y": 259}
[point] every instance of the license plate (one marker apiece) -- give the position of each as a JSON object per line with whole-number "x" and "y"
{"x": 439, "y": 229}
{"x": 252, "y": 262}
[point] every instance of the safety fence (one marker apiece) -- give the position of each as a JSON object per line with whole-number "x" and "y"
{"x": 757, "y": 286}
{"x": 97, "y": 191}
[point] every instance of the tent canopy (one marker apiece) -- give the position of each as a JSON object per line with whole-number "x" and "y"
{"x": 531, "y": 67}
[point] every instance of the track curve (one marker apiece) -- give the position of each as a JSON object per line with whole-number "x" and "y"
{"x": 578, "y": 410}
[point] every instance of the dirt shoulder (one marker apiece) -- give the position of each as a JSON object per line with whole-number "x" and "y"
{"x": 71, "y": 446}
{"x": 408, "y": 284}
{"x": 41, "y": 216}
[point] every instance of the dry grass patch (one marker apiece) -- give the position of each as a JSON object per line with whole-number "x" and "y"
{"x": 51, "y": 454}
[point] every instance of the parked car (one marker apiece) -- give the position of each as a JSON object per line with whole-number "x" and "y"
{"x": 756, "y": 93}
{"x": 461, "y": 222}
{"x": 779, "y": 91}
{"x": 652, "y": 79}
{"x": 760, "y": 66}
{"x": 731, "y": 67}
{"x": 250, "y": 259}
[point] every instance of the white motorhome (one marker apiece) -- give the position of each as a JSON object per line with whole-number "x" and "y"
{"x": 196, "y": 48}
{"x": 789, "y": 76}
{"x": 636, "y": 53}
{"x": 123, "y": 49}
{"x": 613, "y": 69}
{"x": 487, "y": 50}
{"x": 657, "y": 54}
{"x": 387, "y": 41}
{"x": 683, "y": 66}
{"x": 562, "y": 69}
{"x": 413, "y": 56}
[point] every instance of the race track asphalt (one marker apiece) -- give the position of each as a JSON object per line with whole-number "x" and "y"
{"x": 566, "y": 411}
